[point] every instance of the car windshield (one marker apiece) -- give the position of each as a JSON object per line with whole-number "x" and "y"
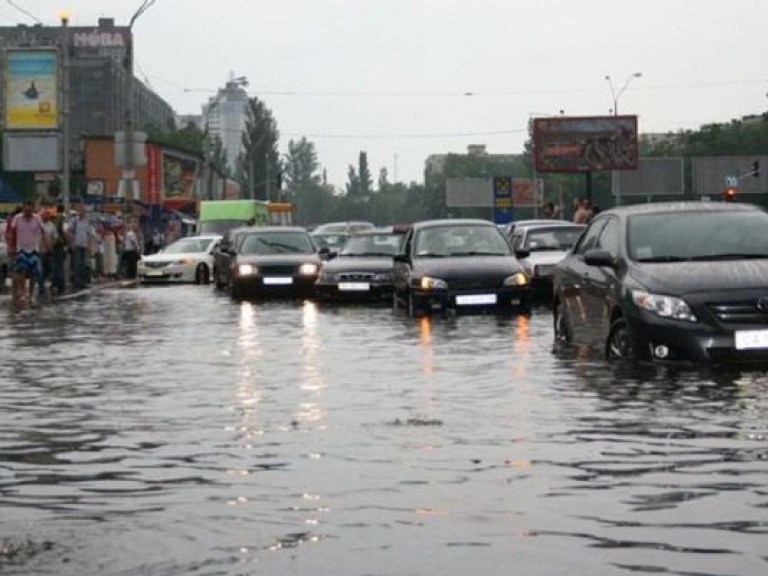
{"x": 266, "y": 243}
{"x": 188, "y": 245}
{"x": 702, "y": 235}
{"x": 559, "y": 238}
{"x": 461, "y": 240}
{"x": 373, "y": 245}
{"x": 330, "y": 240}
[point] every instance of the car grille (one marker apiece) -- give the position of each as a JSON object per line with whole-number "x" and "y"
{"x": 543, "y": 270}
{"x": 355, "y": 276}
{"x": 277, "y": 270}
{"x": 742, "y": 312}
{"x": 156, "y": 264}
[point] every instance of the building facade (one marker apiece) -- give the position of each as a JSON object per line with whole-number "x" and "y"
{"x": 225, "y": 118}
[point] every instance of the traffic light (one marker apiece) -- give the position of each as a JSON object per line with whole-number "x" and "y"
{"x": 756, "y": 168}
{"x": 729, "y": 195}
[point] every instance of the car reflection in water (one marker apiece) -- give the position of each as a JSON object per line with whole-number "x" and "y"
{"x": 669, "y": 282}
{"x": 273, "y": 261}
{"x": 460, "y": 265}
{"x": 362, "y": 270}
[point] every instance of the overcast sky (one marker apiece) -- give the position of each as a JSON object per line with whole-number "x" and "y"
{"x": 403, "y": 79}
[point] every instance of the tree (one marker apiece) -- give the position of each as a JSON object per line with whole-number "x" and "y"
{"x": 364, "y": 175}
{"x": 353, "y": 183}
{"x": 300, "y": 166}
{"x": 258, "y": 166}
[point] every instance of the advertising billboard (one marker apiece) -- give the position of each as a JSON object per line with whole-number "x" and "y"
{"x": 585, "y": 143}
{"x": 712, "y": 174}
{"x": 31, "y": 89}
{"x": 653, "y": 177}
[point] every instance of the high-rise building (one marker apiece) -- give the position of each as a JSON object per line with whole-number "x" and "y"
{"x": 225, "y": 117}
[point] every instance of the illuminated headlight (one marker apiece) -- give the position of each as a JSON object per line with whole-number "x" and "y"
{"x": 308, "y": 269}
{"x": 517, "y": 279}
{"x": 428, "y": 283}
{"x": 247, "y": 270}
{"x": 664, "y": 306}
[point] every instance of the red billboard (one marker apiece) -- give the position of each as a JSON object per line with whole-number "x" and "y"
{"x": 585, "y": 143}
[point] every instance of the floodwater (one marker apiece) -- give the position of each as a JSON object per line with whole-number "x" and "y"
{"x": 171, "y": 431}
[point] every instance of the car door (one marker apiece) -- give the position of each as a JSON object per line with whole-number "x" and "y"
{"x": 600, "y": 284}
{"x": 573, "y": 289}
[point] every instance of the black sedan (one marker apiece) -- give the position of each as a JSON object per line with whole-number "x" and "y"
{"x": 273, "y": 261}
{"x": 362, "y": 270}
{"x": 462, "y": 265}
{"x": 671, "y": 282}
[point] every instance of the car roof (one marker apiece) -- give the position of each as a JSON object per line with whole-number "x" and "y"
{"x": 255, "y": 229}
{"x": 681, "y": 206}
{"x": 452, "y": 222}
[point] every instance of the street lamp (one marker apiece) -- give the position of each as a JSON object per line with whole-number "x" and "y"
{"x": 65, "y": 154}
{"x": 129, "y": 166}
{"x": 616, "y": 95}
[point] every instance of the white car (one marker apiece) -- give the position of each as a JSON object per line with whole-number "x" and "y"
{"x": 188, "y": 259}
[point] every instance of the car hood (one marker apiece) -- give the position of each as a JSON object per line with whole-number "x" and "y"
{"x": 467, "y": 267}
{"x": 161, "y": 257}
{"x": 278, "y": 259}
{"x": 359, "y": 263}
{"x": 681, "y": 278}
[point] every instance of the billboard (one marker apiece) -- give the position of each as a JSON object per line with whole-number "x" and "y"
{"x": 712, "y": 174}
{"x": 179, "y": 173}
{"x": 585, "y": 143}
{"x": 527, "y": 192}
{"x": 29, "y": 152}
{"x": 487, "y": 192}
{"x": 653, "y": 177}
{"x": 31, "y": 89}
{"x": 469, "y": 192}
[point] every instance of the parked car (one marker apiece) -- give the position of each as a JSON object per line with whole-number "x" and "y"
{"x": 458, "y": 264}
{"x": 668, "y": 282}
{"x": 224, "y": 253}
{"x": 279, "y": 261}
{"x": 362, "y": 270}
{"x": 548, "y": 242}
{"x": 188, "y": 259}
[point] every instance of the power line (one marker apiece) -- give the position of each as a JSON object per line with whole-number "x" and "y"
{"x": 25, "y": 11}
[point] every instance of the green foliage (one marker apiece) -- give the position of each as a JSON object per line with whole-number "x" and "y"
{"x": 300, "y": 166}
{"x": 259, "y": 166}
{"x": 187, "y": 139}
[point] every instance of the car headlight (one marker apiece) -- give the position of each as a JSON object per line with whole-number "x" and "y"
{"x": 247, "y": 270}
{"x": 308, "y": 269}
{"x": 428, "y": 283}
{"x": 664, "y": 306}
{"x": 517, "y": 279}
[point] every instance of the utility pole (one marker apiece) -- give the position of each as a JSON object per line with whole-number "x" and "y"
{"x": 65, "y": 112}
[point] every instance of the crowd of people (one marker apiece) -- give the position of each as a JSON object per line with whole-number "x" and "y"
{"x": 52, "y": 252}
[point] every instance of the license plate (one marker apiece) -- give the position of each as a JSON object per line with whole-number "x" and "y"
{"x": 354, "y": 286}
{"x": 476, "y": 300}
{"x": 154, "y": 273}
{"x": 277, "y": 281}
{"x": 750, "y": 339}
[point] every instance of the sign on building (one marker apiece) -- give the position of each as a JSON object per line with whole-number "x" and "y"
{"x": 503, "y": 208}
{"x": 653, "y": 177}
{"x": 31, "y": 89}
{"x": 469, "y": 192}
{"x": 585, "y": 143}
{"x": 28, "y": 152}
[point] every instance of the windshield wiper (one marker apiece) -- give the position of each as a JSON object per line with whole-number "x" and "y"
{"x": 287, "y": 247}
{"x": 730, "y": 256}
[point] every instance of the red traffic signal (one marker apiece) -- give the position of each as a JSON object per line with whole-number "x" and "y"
{"x": 730, "y": 194}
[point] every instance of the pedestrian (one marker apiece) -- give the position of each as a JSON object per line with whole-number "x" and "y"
{"x": 29, "y": 242}
{"x": 10, "y": 245}
{"x": 583, "y": 212}
{"x": 81, "y": 246}
{"x": 131, "y": 251}
{"x": 49, "y": 229}
{"x": 59, "y": 253}
{"x": 110, "y": 252}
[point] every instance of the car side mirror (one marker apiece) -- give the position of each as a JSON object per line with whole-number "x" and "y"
{"x": 599, "y": 257}
{"x": 403, "y": 258}
{"x": 522, "y": 253}
{"x": 325, "y": 253}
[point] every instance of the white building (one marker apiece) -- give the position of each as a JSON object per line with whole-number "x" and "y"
{"x": 225, "y": 115}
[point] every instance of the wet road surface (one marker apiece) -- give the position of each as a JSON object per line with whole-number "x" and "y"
{"x": 171, "y": 431}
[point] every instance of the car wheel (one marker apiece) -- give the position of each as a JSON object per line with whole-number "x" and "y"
{"x": 563, "y": 332}
{"x": 202, "y": 275}
{"x": 619, "y": 344}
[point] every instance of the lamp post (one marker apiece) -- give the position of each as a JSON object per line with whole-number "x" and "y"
{"x": 65, "y": 152}
{"x": 616, "y": 95}
{"x": 129, "y": 165}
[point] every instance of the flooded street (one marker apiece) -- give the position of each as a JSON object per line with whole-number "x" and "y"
{"x": 171, "y": 431}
